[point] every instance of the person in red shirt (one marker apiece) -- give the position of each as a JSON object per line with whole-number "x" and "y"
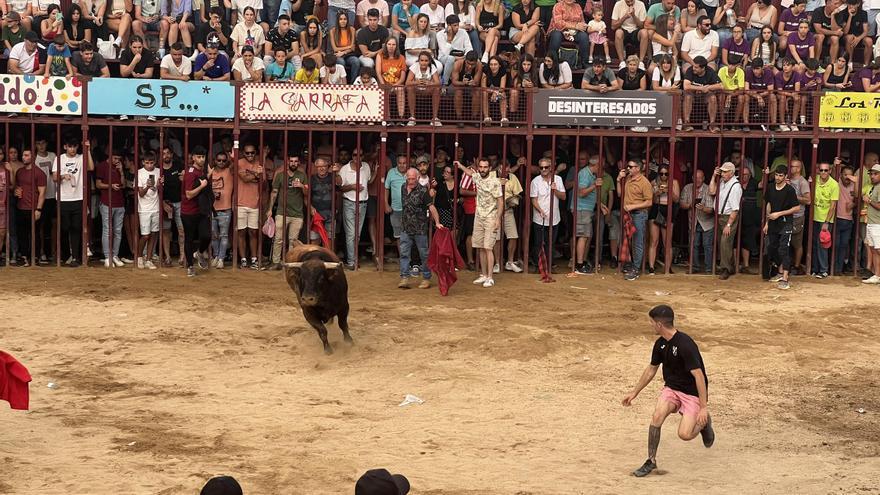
{"x": 197, "y": 200}
{"x": 109, "y": 181}
{"x": 30, "y": 189}
{"x": 468, "y": 192}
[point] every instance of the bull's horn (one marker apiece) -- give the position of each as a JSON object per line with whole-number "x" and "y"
{"x": 295, "y": 264}
{"x": 331, "y": 266}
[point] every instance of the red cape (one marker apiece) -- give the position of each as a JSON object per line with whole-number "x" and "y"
{"x": 318, "y": 226}
{"x": 443, "y": 259}
{"x": 14, "y": 379}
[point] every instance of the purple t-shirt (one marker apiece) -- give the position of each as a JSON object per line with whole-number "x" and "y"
{"x": 867, "y": 74}
{"x": 781, "y": 84}
{"x": 802, "y": 47}
{"x": 816, "y": 79}
{"x": 741, "y": 49}
{"x": 763, "y": 81}
{"x": 791, "y": 21}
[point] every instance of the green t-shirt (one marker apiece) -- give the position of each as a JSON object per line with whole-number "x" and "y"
{"x": 12, "y": 38}
{"x": 874, "y": 196}
{"x": 545, "y": 3}
{"x": 394, "y": 180}
{"x": 294, "y": 194}
{"x": 825, "y": 194}
{"x": 607, "y": 187}
{"x": 657, "y": 9}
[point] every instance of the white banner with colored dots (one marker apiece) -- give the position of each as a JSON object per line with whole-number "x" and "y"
{"x": 38, "y": 94}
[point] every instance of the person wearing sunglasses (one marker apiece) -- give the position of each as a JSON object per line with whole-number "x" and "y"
{"x": 827, "y": 193}
{"x": 221, "y": 186}
{"x": 250, "y": 175}
{"x": 638, "y": 196}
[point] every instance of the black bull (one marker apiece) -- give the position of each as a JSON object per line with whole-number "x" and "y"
{"x": 317, "y": 278}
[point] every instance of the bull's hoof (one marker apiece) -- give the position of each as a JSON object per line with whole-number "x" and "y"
{"x": 328, "y": 350}
{"x": 349, "y": 339}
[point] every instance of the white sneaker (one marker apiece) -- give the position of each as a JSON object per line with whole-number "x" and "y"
{"x": 793, "y": 128}
{"x": 512, "y": 267}
{"x": 518, "y": 47}
{"x": 784, "y": 128}
{"x": 642, "y": 66}
{"x": 873, "y": 280}
{"x": 776, "y": 279}
{"x": 622, "y": 64}
{"x": 496, "y": 268}
{"x": 639, "y": 129}
{"x": 140, "y": 263}
{"x": 480, "y": 280}
{"x": 118, "y": 262}
{"x": 107, "y": 262}
{"x": 149, "y": 264}
{"x": 489, "y": 283}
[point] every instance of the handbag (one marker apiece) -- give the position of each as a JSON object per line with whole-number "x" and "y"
{"x": 269, "y": 227}
{"x": 570, "y": 56}
{"x": 106, "y": 48}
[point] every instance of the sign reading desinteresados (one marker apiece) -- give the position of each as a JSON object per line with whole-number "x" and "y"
{"x": 850, "y": 111}
{"x": 161, "y": 98}
{"x": 588, "y": 108}
{"x": 284, "y": 101}
{"x": 38, "y": 94}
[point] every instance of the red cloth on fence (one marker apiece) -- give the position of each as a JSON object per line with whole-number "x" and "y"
{"x": 544, "y": 266}
{"x": 318, "y": 226}
{"x": 629, "y": 228}
{"x": 14, "y": 379}
{"x": 443, "y": 259}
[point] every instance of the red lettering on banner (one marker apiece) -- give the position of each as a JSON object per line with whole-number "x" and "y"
{"x": 318, "y": 102}
{"x": 265, "y": 102}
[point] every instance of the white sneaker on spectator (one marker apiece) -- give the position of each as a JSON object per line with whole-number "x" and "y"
{"x": 639, "y": 129}
{"x": 642, "y": 65}
{"x": 622, "y": 64}
{"x": 140, "y": 263}
{"x": 873, "y": 280}
{"x": 118, "y": 262}
{"x": 489, "y": 282}
{"x": 496, "y": 268}
{"x": 512, "y": 267}
{"x": 107, "y": 262}
{"x": 480, "y": 280}
{"x": 149, "y": 264}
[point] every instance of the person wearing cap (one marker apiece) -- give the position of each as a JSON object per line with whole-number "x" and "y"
{"x": 24, "y": 58}
{"x": 759, "y": 89}
{"x": 700, "y": 42}
{"x": 702, "y": 81}
{"x": 599, "y": 77}
{"x": 827, "y": 193}
{"x": 871, "y": 200}
{"x": 380, "y": 482}
{"x": 452, "y": 45}
{"x": 13, "y": 32}
{"x": 211, "y": 65}
{"x": 221, "y": 485}
{"x": 685, "y": 390}
{"x": 729, "y": 194}
{"x": 638, "y": 196}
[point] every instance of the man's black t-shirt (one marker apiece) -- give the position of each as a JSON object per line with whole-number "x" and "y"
{"x": 820, "y": 17}
{"x": 372, "y": 39}
{"x": 708, "y": 78}
{"x": 281, "y": 41}
{"x": 857, "y": 24}
{"x": 306, "y": 9}
{"x": 172, "y": 177}
{"x": 679, "y": 356}
{"x": 781, "y": 200}
{"x": 147, "y": 60}
{"x": 205, "y": 30}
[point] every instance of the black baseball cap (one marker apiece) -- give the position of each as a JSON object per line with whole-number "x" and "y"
{"x": 221, "y": 485}
{"x": 381, "y": 482}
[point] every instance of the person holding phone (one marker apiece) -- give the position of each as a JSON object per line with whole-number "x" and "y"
{"x": 836, "y": 76}
{"x": 289, "y": 207}
{"x": 147, "y": 183}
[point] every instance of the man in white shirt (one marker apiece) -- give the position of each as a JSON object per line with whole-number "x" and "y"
{"x": 700, "y": 42}
{"x": 175, "y": 65}
{"x": 364, "y": 5}
{"x": 69, "y": 175}
{"x": 545, "y": 190}
{"x": 452, "y": 45}
{"x": 24, "y": 58}
{"x": 149, "y": 178}
{"x": 353, "y": 179}
{"x": 729, "y": 195}
{"x": 627, "y": 22}
{"x": 872, "y": 8}
{"x": 45, "y": 160}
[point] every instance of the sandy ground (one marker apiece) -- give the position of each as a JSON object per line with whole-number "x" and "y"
{"x": 163, "y": 382}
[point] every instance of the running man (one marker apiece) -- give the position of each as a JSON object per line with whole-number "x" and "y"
{"x": 686, "y": 389}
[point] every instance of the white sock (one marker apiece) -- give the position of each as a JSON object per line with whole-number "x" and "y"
{"x": 118, "y": 42}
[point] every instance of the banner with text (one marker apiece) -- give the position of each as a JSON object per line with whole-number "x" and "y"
{"x": 850, "y": 111}
{"x": 617, "y": 109}
{"x": 161, "y": 98}
{"x": 38, "y": 94}
{"x": 283, "y": 101}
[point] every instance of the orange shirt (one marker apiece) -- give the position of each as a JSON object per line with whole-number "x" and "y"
{"x": 637, "y": 191}
{"x": 248, "y": 192}
{"x": 393, "y": 69}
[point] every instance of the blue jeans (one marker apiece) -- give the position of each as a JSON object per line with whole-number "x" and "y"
{"x": 220, "y": 233}
{"x": 406, "y": 242}
{"x": 348, "y": 214}
{"x": 476, "y": 43}
{"x": 704, "y": 239}
{"x": 872, "y": 21}
{"x": 332, "y": 12}
{"x": 820, "y": 254}
{"x": 841, "y": 243}
{"x": 640, "y": 220}
{"x": 270, "y": 11}
{"x": 118, "y": 216}
{"x": 582, "y": 40}
{"x": 352, "y": 65}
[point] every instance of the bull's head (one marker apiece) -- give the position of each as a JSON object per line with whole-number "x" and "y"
{"x": 313, "y": 276}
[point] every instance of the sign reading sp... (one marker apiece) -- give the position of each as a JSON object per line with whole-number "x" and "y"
{"x": 280, "y": 101}
{"x": 161, "y": 98}
{"x": 38, "y": 94}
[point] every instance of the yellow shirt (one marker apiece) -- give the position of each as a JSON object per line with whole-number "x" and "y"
{"x": 729, "y": 81}
{"x": 825, "y": 194}
{"x": 303, "y": 77}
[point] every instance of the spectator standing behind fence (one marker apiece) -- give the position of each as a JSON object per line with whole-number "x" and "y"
{"x": 290, "y": 209}
{"x": 394, "y": 182}
{"x": 353, "y": 178}
{"x": 729, "y": 192}
{"x": 568, "y": 24}
{"x": 70, "y": 176}
{"x": 109, "y": 181}
{"x": 584, "y": 201}
{"x": 250, "y": 175}
{"x": 149, "y": 179}
{"x": 638, "y": 196}
{"x": 844, "y": 219}
{"x": 696, "y": 199}
{"x": 195, "y": 211}
{"x": 545, "y": 191}
{"x": 417, "y": 205}
{"x": 824, "y": 209}
{"x": 30, "y": 193}
{"x": 802, "y": 188}
{"x": 488, "y": 207}
{"x": 871, "y": 200}
{"x": 782, "y": 203}
{"x": 6, "y": 184}
{"x": 221, "y": 187}
{"x": 322, "y": 190}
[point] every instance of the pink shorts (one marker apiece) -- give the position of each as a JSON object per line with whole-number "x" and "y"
{"x": 686, "y": 405}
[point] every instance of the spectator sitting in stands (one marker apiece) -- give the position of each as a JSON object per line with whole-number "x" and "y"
{"x": 826, "y": 29}
{"x": 147, "y": 18}
{"x": 342, "y": 45}
{"x": 370, "y": 39}
{"x": 467, "y": 74}
{"x": 759, "y": 86}
{"x": 785, "y": 86}
{"x": 733, "y": 81}
{"x": 789, "y": 21}
{"x": 248, "y": 33}
{"x": 239, "y": 9}
{"x": 175, "y": 65}
{"x": 58, "y": 58}
{"x": 525, "y": 28}
{"x": 490, "y": 18}
{"x": 596, "y": 29}
{"x": 854, "y": 22}
{"x": 801, "y": 45}
{"x": 249, "y": 67}
{"x": 689, "y": 16}
{"x": 424, "y": 77}
{"x": 701, "y": 80}
{"x": 117, "y": 21}
{"x": 13, "y": 32}
{"x": 281, "y": 37}
{"x": 332, "y": 72}
{"x": 808, "y": 82}
{"x": 211, "y": 65}
{"x": 494, "y": 83}
{"x": 568, "y": 23}
{"x": 311, "y": 42}
{"x": 761, "y": 14}
{"x": 403, "y": 16}
{"x": 23, "y": 8}
{"x": 553, "y": 73}
{"x": 76, "y": 29}
{"x": 308, "y": 73}
{"x": 664, "y": 41}
{"x": 87, "y": 62}
{"x": 736, "y": 45}
{"x": 453, "y": 43}
{"x": 666, "y": 76}
{"x": 436, "y": 16}
{"x": 766, "y": 48}
{"x": 631, "y": 77}
{"x": 137, "y": 61}
{"x": 418, "y": 39}
{"x": 391, "y": 71}
{"x": 870, "y": 77}
{"x": 52, "y": 25}
{"x": 365, "y": 5}
{"x": 628, "y": 23}
{"x": 467, "y": 13}
{"x": 280, "y": 69}
{"x": 599, "y": 77}
{"x": 701, "y": 42}
{"x": 179, "y": 17}
{"x": 366, "y": 78}
{"x": 837, "y": 74}
{"x": 214, "y": 31}
{"x": 664, "y": 7}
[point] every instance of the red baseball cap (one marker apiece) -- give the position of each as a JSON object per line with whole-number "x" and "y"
{"x": 825, "y": 239}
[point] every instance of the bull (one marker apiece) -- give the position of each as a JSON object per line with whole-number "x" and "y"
{"x": 317, "y": 278}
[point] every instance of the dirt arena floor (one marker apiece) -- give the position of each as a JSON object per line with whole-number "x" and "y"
{"x": 163, "y": 382}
